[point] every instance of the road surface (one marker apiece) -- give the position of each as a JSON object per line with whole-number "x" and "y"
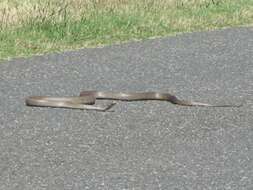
{"x": 141, "y": 145}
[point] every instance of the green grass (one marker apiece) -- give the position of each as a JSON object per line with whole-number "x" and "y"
{"x": 37, "y": 27}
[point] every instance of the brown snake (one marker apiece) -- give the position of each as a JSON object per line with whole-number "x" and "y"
{"x": 87, "y": 98}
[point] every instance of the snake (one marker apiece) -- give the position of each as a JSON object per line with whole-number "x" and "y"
{"x": 86, "y": 100}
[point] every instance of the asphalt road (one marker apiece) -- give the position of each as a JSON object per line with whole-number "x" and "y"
{"x": 141, "y": 145}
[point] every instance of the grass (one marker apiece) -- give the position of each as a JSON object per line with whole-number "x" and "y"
{"x": 31, "y": 27}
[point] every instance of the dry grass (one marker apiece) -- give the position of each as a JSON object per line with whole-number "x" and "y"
{"x": 15, "y": 12}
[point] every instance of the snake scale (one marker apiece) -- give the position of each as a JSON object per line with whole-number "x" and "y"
{"x": 88, "y": 98}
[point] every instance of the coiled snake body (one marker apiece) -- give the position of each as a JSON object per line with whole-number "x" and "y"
{"x": 87, "y": 98}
